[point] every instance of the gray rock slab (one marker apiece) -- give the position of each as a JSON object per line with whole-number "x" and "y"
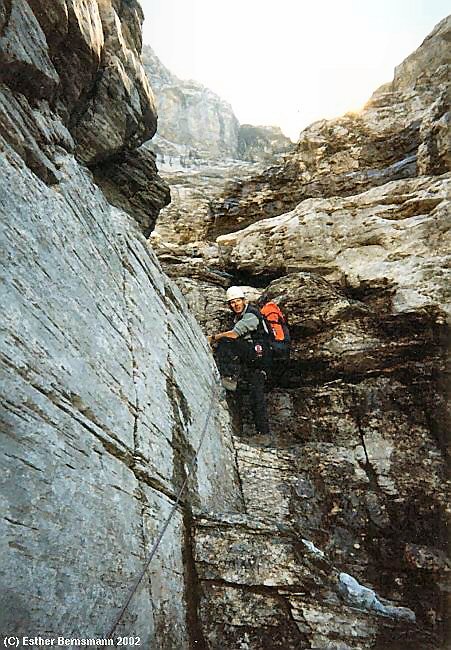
{"x": 101, "y": 416}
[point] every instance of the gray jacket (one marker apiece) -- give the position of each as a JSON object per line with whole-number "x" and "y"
{"x": 245, "y": 323}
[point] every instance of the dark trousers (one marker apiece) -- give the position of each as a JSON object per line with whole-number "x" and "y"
{"x": 236, "y": 356}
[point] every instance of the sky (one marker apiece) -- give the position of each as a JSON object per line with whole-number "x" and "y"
{"x": 288, "y": 63}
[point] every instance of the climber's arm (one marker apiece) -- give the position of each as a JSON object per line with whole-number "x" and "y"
{"x": 214, "y": 338}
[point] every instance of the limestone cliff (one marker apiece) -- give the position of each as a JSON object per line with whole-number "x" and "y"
{"x": 101, "y": 415}
{"x": 195, "y": 124}
{"x": 192, "y": 117}
{"x": 263, "y": 143}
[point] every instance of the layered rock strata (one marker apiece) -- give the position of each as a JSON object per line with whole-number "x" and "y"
{"x": 196, "y": 125}
{"x": 199, "y": 146}
{"x": 397, "y": 234}
{"x": 265, "y": 586}
{"x": 102, "y": 420}
{"x": 401, "y": 132}
{"x": 72, "y": 78}
{"x": 181, "y": 233}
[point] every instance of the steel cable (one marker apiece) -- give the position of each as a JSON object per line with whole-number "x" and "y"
{"x": 163, "y": 530}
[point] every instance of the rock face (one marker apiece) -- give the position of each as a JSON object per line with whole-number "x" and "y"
{"x": 401, "y": 132}
{"x": 130, "y": 181}
{"x": 73, "y": 78}
{"x": 357, "y": 466}
{"x": 261, "y": 143}
{"x": 190, "y": 115}
{"x": 199, "y": 145}
{"x": 182, "y": 228}
{"x": 397, "y": 234}
{"x": 196, "y": 125}
{"x": 354, "y": 486}
{"x": 101, "y": 416}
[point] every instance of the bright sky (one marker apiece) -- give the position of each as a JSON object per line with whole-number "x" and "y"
{"x": 288, "y": 62}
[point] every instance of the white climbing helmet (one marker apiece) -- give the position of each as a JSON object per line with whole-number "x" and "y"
{"x": 233, "y": 293}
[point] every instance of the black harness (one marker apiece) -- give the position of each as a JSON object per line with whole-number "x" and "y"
{"x": 263, "y": 332}
{"x": 261, "y": 338}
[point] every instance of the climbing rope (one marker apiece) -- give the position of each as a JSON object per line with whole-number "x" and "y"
{"x": 166, "y": 524}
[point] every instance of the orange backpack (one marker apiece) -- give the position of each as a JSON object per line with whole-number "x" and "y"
{"x": 276, "y": 319}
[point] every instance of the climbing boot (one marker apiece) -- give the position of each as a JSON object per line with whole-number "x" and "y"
{"x": 270, "y": 442}
{"x": 229, "y": 383}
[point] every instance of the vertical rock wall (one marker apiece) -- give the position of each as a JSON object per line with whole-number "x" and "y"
{"x": 194, "y": 121}
{"x": 106, "y": 379}
{"x": 106, "y": 388}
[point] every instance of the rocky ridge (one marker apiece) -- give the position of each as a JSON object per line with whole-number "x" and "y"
{"x": 402, "y": 132}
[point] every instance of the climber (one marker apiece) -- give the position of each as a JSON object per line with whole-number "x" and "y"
{"x": 245, "y": 351}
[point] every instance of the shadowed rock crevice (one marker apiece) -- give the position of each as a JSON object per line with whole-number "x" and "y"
{"x": 184, "y": 453}
{"x": 90, "y": 94}
{"x": 371, "y": 473}
{"x": 242, "y": 277}
{"x": 192, "y": 586}
{"x": 126, "y": 269}
{"x": 5, "y": 13}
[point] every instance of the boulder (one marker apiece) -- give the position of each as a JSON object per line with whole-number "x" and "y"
{"x": 394, "y": 234}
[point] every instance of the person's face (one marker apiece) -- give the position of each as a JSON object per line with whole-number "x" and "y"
{"x": 237, "y": 305}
